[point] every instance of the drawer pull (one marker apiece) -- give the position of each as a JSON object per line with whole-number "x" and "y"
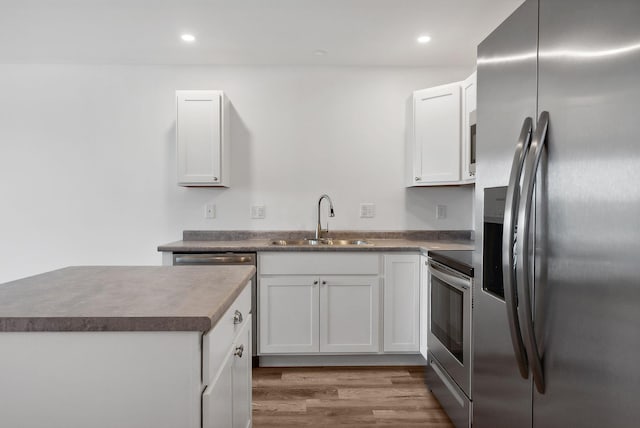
{"x": 237, "y": 317}
{"x": 239, "y": 350}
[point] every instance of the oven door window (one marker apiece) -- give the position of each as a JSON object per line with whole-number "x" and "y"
{"x": 447, "y": 316}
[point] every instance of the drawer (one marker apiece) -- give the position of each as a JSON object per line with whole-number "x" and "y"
{"x": 315, "y": 263}
{"x": 217, "y": 341}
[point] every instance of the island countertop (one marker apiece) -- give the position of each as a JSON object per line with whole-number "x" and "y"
{"x": 122, "y": 298}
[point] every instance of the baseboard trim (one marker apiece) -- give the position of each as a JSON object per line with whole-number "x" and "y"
{"x": 341, "y": 360}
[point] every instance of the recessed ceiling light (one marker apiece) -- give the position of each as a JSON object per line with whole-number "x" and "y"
{"x": 424, "y": 39}
{"x": 188, "y": 38}
{"x": 320, "y": 52}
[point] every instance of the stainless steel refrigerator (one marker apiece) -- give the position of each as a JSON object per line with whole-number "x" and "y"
{"x": 556, "y": 307}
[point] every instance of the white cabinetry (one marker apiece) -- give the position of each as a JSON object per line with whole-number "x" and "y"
{"x": 241, "y": 374}
{"x": 227, "y": 401}
{"x": 424, "y": 304}
{"x": 318, "y": 303}
{"x": 436, "y": 135}
{"x": 468, "y": 107}
{"x": 226, "y": 368}
{"x": 438, "y": 151}
{"x": 288, "y": 311}
{"x": 349, "y": 313}
{"x": 202, "y": 135}
{"x": 217, "y": 398}
{"x": 401, "y": 302}
{"x": 130, "y": 379}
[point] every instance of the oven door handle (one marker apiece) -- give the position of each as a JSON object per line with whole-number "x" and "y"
{"x": 438, "y": 271}
{"x": 523, "y": 247}
{"x": 508, "y": 241}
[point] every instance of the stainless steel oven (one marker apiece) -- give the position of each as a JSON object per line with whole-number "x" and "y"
{"x": 449, "y": 340}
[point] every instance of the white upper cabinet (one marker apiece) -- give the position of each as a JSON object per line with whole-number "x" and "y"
{"x": 468, "y": 118}
{"x": 438, "y": 152}
{"x": 202, "y": 134}
{"x": 436, "y": 135}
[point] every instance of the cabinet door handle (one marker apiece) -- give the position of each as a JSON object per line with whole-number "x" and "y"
{"x": 315, "y": 282}
{"x": 215, "y": 178}
{"x": 418, "y": 178}
{"x": 324, "y": 282}
{"x": 239, "y": 350}
{"x": 237, "y": 317}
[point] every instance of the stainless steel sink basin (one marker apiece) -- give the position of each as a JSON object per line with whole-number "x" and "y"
{"x": 322, "y": 241}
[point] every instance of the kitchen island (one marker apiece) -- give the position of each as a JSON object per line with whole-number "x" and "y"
{"x": 127, "y": 347}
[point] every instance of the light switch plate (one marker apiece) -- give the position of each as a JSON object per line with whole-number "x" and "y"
{"x": 367, "y": 210}
{"x": 441, "y": 212}
{"x": 258, "y": 211}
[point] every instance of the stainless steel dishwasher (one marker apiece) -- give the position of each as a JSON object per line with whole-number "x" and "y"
{"x": 225, "y": 259}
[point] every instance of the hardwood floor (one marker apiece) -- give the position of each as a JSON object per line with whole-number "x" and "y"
{"x": 344, "y": 397}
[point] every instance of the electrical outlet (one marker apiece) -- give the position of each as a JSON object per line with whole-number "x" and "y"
{"x": 210, "y": 211}
{"x": 441, "y": 212}
{"x": 367, "y": 210}
{"x": 258, "y": 211}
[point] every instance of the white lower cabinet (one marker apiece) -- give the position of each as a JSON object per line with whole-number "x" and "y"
{"x": 226, "y": 402}
{"x": 333, "y": 303}
{"x": 241, "y": 374}
{"x": 401, "y": 303}
{"x": 217, "y": 399}
{"x": 349, "y": 313}
{"x": 310, "y": 314}
{"x": 288, "y": 314}
{"x": 226, "y": 368}
{"x": 424, "y": 304}
{"x": 130, "y": 379}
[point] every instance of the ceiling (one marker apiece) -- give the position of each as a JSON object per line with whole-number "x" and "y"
{"x": 274, "y": 32}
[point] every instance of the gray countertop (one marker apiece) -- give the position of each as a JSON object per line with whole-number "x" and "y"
{"x": 383, "y": 245}
{"x": 121, "y": 298}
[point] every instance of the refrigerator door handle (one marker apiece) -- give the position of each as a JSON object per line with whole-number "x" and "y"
{"x": 508, "y": 241}
{"x": 523, "y": 246}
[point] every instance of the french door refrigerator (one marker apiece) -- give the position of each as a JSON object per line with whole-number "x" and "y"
{"x": 557, "y": 296}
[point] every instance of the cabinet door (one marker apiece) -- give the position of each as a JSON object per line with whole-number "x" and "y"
{"x": 436, "y": 132}
{"x": 288, "y": 314}
{"x": 199, "y": 133}
{"x": 424, "y": 305}
{"x": 401, "y": 303}
{"x": 217, "y": 399}
{"x": 242, "y": 377}
{"x": 468, "y": 106}
{"x": 349, "y": 313}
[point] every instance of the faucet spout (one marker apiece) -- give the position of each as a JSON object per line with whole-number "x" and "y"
{"x": 319, "y": 229}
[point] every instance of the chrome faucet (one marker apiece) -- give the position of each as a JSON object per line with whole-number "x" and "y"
{"x": 331, "y": 214}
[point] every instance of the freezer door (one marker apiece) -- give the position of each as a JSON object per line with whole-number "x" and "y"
{"x": 507, "y": 87}
{"x": 588, "y": 308}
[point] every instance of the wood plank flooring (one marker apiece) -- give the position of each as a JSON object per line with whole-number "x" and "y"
{"x": 345, "y": 397}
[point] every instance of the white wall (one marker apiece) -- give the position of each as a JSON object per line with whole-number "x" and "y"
{"x": 87, "y": 157}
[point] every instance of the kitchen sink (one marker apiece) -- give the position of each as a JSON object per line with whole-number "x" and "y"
{"x": 322, "y": 242}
